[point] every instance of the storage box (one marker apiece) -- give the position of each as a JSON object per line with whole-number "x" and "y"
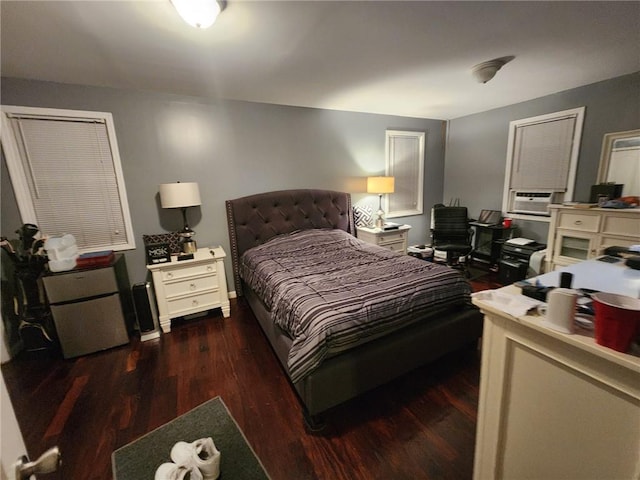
{"x": 95, "y": 259}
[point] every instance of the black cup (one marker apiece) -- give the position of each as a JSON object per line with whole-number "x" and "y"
{"x": 566, "y": 278}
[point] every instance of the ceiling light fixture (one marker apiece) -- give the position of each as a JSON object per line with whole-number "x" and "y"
{"x": 485, "y": 71}
{"x": 198, "y": 13}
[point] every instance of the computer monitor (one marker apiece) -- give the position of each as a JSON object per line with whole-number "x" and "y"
{"x": 490, "y": 217}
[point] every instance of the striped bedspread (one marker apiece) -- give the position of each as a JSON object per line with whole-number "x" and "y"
{"x": 331, "y": 291}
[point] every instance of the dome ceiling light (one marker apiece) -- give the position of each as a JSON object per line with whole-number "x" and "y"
{"x": 485, "y": 71}
{"x": 198, "y": 13}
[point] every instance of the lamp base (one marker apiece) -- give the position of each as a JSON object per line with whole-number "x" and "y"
{"x": 380, "y": 219}
{"x": 189, "y": 246}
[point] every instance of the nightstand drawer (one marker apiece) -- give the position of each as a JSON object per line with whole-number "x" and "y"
{"x": 388, "y": 238}
{"x": 188, "y": 272}
{"x": 182, "y": 305}
{"x": 396, "y": 247}
{"x": 193, "y": 285}
{"x": 578, "y": 221}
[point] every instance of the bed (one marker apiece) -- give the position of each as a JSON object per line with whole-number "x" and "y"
{"x": 334, "y": 334}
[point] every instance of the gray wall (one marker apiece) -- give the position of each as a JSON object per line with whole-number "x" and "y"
{"x": 477, "y": 144}
{"x": 231, "y": 149}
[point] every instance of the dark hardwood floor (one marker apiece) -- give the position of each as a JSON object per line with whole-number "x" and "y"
{"x": 420, "y": 426}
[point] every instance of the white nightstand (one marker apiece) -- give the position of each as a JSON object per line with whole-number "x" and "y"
{"x": 395, "y": 240}
{"x": 191, "y": 286}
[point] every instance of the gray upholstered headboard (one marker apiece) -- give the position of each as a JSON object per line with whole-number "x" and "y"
{"x": 255, "y": 219}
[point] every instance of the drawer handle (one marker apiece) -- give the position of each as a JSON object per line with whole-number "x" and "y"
{"x": 169, "y": 275}
{"x": 194, "y": 303}
{"x": 578, "y": 222}
{"x": 209, "y": 268}
{"x": 192, "y": 286}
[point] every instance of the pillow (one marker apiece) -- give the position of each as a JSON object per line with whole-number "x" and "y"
{"x": 173, "y": 239}
{"x": 362, "y": 215}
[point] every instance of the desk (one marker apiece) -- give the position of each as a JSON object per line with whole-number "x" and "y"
{"x": 598, "y": 275}
{"x": 554, "y": 405}
{"x": 487, "y": 242}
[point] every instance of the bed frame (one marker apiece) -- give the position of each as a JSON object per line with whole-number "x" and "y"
{"x": 253, "y": 220}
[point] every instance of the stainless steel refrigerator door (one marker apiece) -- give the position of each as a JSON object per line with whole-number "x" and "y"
{"x": 73, "y": 285}
{"x": 90, "y": 326}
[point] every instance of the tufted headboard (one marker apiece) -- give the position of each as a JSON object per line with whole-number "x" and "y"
{"x": 255, "y": 219}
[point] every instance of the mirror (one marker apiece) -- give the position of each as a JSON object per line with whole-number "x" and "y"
{"x": 620, "y": 161}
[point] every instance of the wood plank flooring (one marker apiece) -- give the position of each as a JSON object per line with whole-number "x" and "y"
{"x": 420, "y": 426}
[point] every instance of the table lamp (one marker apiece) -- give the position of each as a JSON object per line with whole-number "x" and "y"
{"x": 182, "y": 195}
{"x": 380, "y": 185}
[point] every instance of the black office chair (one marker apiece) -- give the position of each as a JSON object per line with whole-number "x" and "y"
{"x": 450, "y": 233}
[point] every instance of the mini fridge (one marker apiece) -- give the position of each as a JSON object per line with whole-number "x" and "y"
{"x": 87, "y": 308}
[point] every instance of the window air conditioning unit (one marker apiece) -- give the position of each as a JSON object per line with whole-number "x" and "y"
{"x": 533, "y": 203}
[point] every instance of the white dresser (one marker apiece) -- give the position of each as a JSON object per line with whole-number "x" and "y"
{"x": 191, "y": 286}
{"x": 553, "y": 405}
{"x": 577, "y": 234}
{"x": 396, "y": 240}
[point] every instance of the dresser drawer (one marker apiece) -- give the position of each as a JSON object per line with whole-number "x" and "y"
{"x": 188, "y": 272}
{"x": 193, "y": 285}
{"x": 579, "y": 221}
{"x": 623, "y": 225}
{"x": 181, "y": 306}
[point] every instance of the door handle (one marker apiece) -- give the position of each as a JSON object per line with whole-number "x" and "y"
{"x": 48, "y": 462}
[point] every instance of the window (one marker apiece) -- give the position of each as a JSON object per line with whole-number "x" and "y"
{"x": 405, "y": 162}
{"x": 542, "y": 157}
{"x": 66, "y": 173}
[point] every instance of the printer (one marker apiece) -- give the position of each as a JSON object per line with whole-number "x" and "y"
{"x": 514, "y": 259}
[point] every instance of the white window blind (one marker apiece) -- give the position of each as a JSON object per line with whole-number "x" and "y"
{"x": 73, "y": 179}
{"x": 542, "y": 160}
{"x": 405, "y": 162}
{"x": 542, "y": 155}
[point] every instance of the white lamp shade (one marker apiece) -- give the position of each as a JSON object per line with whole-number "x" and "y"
{"x": 198, "y": 13}
{"x": 176, "y": 195}
{"x": 380, "y": 184}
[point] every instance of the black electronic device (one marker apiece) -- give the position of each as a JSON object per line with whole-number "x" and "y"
{"x": 144, "y": 303}
{"x": 514, "y": 261}
{"x": 610, "y": 191}
{"x": 534, "y": 291}
{"x": 489, "y": 217}
{"x": 566, "y": 279}
{"x": 609, "y": 259}
{"x": 391, "y": 226}
{"x": 633, "y": 262}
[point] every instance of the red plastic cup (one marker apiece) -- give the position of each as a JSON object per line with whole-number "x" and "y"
{"x": 617, "y": 320}
{"x": 506, "y": 223}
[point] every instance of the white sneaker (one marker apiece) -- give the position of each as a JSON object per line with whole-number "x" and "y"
{"x": 201, "y": 454}
{"x": 171, "y": 471}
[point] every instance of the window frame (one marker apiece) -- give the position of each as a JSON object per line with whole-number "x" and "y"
{"x": 390, "y": 160}
{"x": 567, "y": 195}
{"x": 18, "y": 175}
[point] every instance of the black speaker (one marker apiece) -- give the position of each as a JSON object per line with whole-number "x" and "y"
{"x": 609, "y": 190}
{"x": 144, "y": 302}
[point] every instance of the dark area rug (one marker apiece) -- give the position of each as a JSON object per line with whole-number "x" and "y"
{"x": 140, "y": 459}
